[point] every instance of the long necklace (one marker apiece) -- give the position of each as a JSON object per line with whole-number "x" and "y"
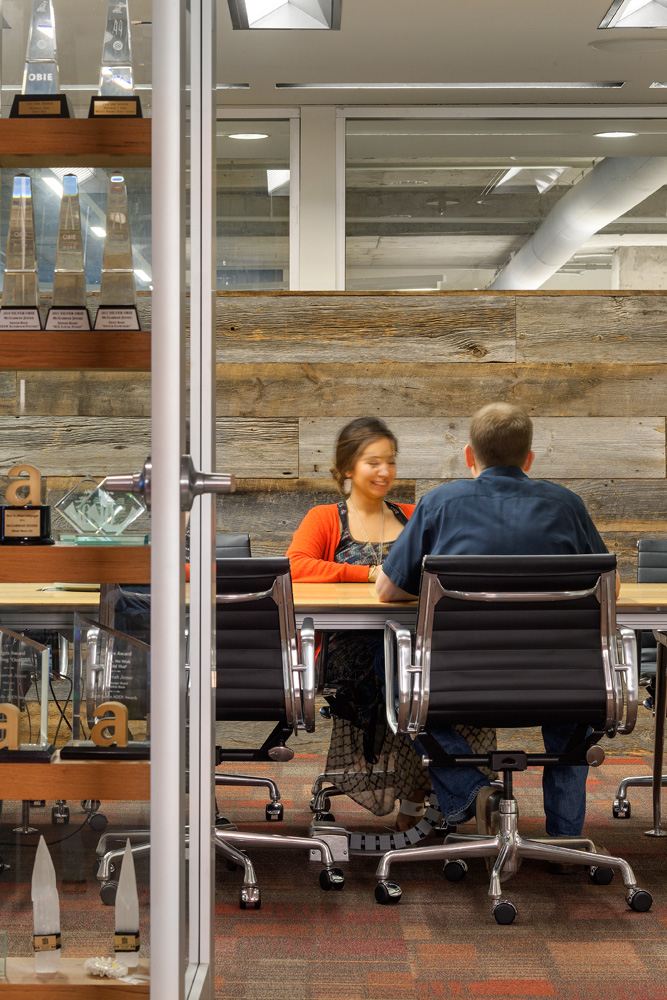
{"x": 377, "y": 558}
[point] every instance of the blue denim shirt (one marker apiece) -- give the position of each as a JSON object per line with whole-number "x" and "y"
{"x": 502, "y": 512}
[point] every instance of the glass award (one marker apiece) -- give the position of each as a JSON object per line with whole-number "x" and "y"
{"x": 40, "y": 96}
{"x": 118, "y": 294}
{"x": 97, "y": 515}
{"x": 68, "y": 310}
{"x": 24, "y": 699}
{"x": 20, "y": 292}
{"x": 111, "y": 692}
{"x": 24, "y": 520}
{"x": 116, "y": 94}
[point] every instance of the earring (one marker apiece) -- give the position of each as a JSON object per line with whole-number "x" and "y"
{"x": 347, "y": 486}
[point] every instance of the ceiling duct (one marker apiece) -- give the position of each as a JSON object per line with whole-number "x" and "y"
{"x": 611, "y": 189}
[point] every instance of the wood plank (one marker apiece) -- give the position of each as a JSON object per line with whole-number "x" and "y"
{"x": 126, "y": 780}
{"x": 85, "y": 393}
{"x": 75, "y": 446}
{"x": 44, "y": 350}
{"x": 611, "y": 329}
{"x": 310, "y": 327}
{"x": 630, "y": 448}
{"x": 75, "y": 564}
{"x": 402, "y": 390}
{"x": 76, "y": 142}
{"x": 624, "y": 544}
{"x": 252, "y": 448}
{"x": 71, "y": 980}
{"x": 8, "y": 387}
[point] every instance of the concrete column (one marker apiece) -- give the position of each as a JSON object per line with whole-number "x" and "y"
{"x": 317, "y": 206}
{"x": 640, "y": 267}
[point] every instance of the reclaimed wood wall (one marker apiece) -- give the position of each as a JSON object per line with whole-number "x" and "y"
{"x": 591, "y": 369}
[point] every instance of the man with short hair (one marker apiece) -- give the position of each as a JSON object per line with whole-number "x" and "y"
{"x": 500, "y": 511}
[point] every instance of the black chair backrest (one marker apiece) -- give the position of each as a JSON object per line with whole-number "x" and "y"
{"x": 518, "y": 663}
{"x": 250, "y": 681}
{"x": 232, "y": 545}
{"x": 652, "y": 560}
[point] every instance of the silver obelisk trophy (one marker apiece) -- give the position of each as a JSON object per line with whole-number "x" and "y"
{"x": 68, "y": 311}
{"x": 116, "y": 94}
{"x": 20, "y": 292}
{"x": 40, "y": 96}
{"x": 118, "y": 294}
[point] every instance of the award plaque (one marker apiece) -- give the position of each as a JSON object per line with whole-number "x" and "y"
{"x": 69, "y": 311}
{"x": 116, "y": 94}
{"x": 118, "y": 294}
{"x": 111, "y": 695}
{"x": 95, "y": 514}
{"x": 20, "y": 292}
{"x": 40, "y": 97}
{"x": 24, "y": 699}
{"x": 23, "y": 519}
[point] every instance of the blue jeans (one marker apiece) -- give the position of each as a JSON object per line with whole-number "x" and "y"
{"x": 563, "y": 787}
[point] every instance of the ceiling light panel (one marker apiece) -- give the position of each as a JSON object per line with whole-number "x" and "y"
{"x": 297, "y": 15}
{"x": 636, "y": 14}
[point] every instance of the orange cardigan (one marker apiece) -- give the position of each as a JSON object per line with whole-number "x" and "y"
{"x": 313, "y": 546}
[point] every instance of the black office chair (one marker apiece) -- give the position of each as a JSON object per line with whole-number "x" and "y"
{"x": 513, "y": 641}
{"x": 651, "y": 568}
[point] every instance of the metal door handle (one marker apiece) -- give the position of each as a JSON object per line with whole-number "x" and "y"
{"x": 192, "y": 483}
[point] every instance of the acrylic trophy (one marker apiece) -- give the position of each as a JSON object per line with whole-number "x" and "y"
{"x": 24, "y": 520}
{"x": 118, "y": 294}
{"x": 24, "y": 699}
{"x": 40, "y": 97}
{"x": 20, "y": 292}
{"x": 111, "y": 695}
{"x": 100, "y": 517}
{"x": 69, "y": 311}
{"x": 116, "y": 95}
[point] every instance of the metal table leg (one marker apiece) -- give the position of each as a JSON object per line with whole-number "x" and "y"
{"x": 659, "y": 737}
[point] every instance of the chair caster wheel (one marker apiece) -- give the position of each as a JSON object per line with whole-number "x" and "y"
{"x": 274, "y": 811}
{"x": 97, "y": 821}
{"x": 639, "y": 900}
{"x": 504, "y": 911}
{"x": 621, "y": 810}
{"x": 325, "y": 817}
{"x": 58, "y": 814}
{"x": 331, "y": 878}
{"x": 108, "y": 892}
{"x": 223, "y": 821}
{"x": 599, "y": 875}
{"x": 387, "y": 892}
{"x": 454, "y": 871}
{"x": 250, "y": 898}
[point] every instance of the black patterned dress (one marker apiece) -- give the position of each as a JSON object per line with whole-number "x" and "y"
{"x": 372, "y": 765}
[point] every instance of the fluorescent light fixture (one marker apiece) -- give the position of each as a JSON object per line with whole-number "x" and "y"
{"x": 141, "y": 275}
{"x": 568, "y": 85}
{"x": 615, "y": 135}
{"x": 248, "y": 135}
{"x": 98, "y": 231}
{"x": 636, "y": 14}
{"x": 657, "y": 86}
{"x": 298, "y": 15}
{"x": 277, "y": 182}
{"x": 55, "y": 185}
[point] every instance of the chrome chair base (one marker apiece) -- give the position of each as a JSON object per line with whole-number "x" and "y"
{"x": 621, "y": 808}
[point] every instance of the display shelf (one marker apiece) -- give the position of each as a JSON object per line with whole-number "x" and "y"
{"x": 75, "y": 564}
{"x": 23, "y": 983}
{"x": 75, "y": 142}
{"x": 46, "y": 350}
{"x": 106, "y": 780}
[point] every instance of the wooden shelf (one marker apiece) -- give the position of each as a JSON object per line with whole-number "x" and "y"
{"x": 23, "y": 982}
{"x": 106, "y": 780}
{"x": 75, "y": 142}
{"x": 75, "y": 563}
{"x": 45, "y": 350}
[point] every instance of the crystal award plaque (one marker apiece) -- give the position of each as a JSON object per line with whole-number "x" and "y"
{"x": 116, "y": 94}
{"x": 40, "y": 97}
{"x": 23, "y": 519}
{"x": 111, "y": 694}
{"x": 93, "y": 512}
{"x": 24, "y": 699}
{"x": 69, "y": 311}
{"x": 20, "y": 292}
{"x": 118, "y": 294}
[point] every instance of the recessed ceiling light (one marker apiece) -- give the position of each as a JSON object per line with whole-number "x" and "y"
{"x": 614, "y": 135}
{"x": 595, "y": 85}
{"x": 248, "y": 135}
{"x": 299, "y": 15}
{"x": 636, "y": 14}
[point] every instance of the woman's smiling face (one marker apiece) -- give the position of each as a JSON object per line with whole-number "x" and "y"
{"x": 375, "y": 469}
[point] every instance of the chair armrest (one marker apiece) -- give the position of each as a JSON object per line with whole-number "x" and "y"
{"x": 304, "y": 678}
{"x": 398, "y": 645}
{"x": 626, "y": 675}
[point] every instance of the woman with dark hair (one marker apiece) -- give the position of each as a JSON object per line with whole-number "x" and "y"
{"x": 348, "y": 541}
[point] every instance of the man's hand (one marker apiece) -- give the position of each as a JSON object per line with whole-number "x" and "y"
{"x": 388, "y": 591}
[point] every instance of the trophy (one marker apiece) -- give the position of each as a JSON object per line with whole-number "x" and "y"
{"x": 111, "y": 693}
{"x": 118, "y": 295}
{"x": 116, "y": 93}
{"x": 24, "y": 520}
{"x": 20, "y": 292}
{"x": 69, "y": 311}
{"x": 40, "y": 97}
{"x": 97, "y": 516}
{"x": 24, "y": 703}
